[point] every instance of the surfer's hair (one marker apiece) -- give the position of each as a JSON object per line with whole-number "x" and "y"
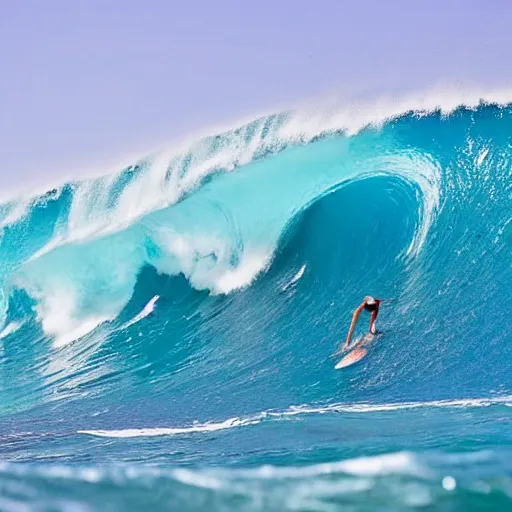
{"x": 369, "y": 299}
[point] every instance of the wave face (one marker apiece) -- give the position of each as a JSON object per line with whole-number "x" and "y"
{"x": 167, "y": 329}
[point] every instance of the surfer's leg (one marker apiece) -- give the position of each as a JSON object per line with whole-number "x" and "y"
{"x": 372, "y": 322}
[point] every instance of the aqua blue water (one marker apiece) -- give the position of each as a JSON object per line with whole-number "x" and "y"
{"x": 168, "y": 330}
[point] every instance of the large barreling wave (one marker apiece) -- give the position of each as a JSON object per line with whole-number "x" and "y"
{"x": 179, "y": 316}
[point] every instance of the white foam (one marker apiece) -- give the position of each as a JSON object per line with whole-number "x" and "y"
{"x": 147, "y": 310}
{"x": 380, "y": 465}
{"x": 67, "y": 334}
{"x": 150, "y": 191}
{"x": 482, "y": 156}
{"x": 385, "y": 407}
{"x": 197, "y": 479}
{"x": 295, "y": 278}
{"x": 10, "y": 328}
{"x": 190, "y": 254}
{"x": 153, "y": 432}
{"x": 243, "y": 274}
{"x": 300, "y": 410}
{"x": 17, "y": 211}
{"x": 354, "y": 115}
{"x": 57, "y": 314}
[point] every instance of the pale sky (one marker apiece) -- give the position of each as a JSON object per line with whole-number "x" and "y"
{"x": 84, "y": 83}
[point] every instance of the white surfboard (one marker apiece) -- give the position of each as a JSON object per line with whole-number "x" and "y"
{"x": 353, "y": 357}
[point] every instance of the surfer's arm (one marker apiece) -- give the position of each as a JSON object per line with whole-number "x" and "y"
{"x": 355, "y": 316}
{"x": 374, "y": 318}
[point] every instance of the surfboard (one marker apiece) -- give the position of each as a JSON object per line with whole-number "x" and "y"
{"x": 356, "y": 355}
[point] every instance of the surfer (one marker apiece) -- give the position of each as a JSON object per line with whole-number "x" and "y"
{"x": 371, "y": 305}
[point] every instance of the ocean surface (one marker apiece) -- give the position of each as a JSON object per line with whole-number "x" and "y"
{"x": 167, "y": 331}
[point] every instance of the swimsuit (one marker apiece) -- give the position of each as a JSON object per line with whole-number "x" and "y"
{"x": 371, "y": 307}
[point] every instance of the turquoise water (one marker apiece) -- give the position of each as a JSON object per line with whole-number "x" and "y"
{"x": 167, "y": 330}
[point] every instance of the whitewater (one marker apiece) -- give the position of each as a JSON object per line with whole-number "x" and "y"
{"x": 166, "y": 329}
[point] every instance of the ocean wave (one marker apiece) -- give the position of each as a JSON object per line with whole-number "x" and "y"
{"x": 400, "y": 201}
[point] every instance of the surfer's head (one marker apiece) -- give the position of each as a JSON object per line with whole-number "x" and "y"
{"x": 369, "y": 300}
